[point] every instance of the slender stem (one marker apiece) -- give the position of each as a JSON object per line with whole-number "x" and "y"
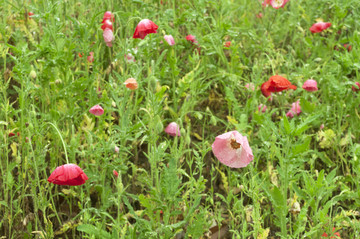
{"x": 62, "y": 140}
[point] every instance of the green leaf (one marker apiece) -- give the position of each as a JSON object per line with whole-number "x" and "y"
{"x": 306, "y": 106}
{"x": 300, "y": 148}
{"x": 94, "y": 231}
{"x": 286, "y": 125}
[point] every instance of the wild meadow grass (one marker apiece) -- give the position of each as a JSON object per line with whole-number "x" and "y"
{"x": 304, "y": 180}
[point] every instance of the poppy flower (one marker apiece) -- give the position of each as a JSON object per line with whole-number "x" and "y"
{"x": 30, "y": 14}
{"x": 265, "y": 3}
{"x": 262, "y": 108}
{"x": 108, "y": 37}
{"x": 322, "y": 126}
{"x": 278, "y": 3}
{"x": 90, "y": 57}
{"x": 11, "y": 134}
{"x": 346, "y": 46}
{"x": 80, "y": 55}
{"x": 310, "y": 85}
{"x": 68, "y": 174}
{"x": 276, "y": 83}
{"x": 129, "y": 58}
{"x": 96, "y": 110}
{"x": 356, "y": 87}
{"x": 259, "y": 15}
{"x": 227, "y": 44}
{"x": 250, "y": 86}
{"x": 319, "y": 27}
{"x": 107, "y": 25}
{"x": 232, "y": 149}
{"x": 191, "y": 38}
{"x": 145, "y": 27}
{"x": 295, "y": 110}
{"x": 108, "y": 16}
{"x": 333, "y": 234}
{"x": 116, "y": 149}
{"x": 131, "y": 84}
{"x": 116, "y": 174}
{"x": 169, "y": 39}
{"x": 173, "y": 129}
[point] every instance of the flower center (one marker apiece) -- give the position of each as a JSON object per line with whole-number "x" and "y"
{"x": 234, "y": 144}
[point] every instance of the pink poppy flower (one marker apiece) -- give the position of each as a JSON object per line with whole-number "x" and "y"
{"x": 310, "y": 85}
{"x": 278, "y": 3}
{"x": 319, "y": 27}
{"x": 108, "y": 37}
{"x": 116, "y": 174}
{"x": 68, "y": 174}
{"x": 116, "y": 149}
{"x": 144, "y": 27}
{"x": 191, "y": 38}
{"x": 107, "y": 25}
{"x": 96, "y": 110}
{"x": 262, "y": 108}
{"x": 295, "y": 110}
{"x": 90, "y": 57}
{"x": 250, "y": 86}
{"x": 169, "y": 39}
{"x": 322, "y": 126}
{"x": 232, "y": 149}
{"x": 356, "y": 87}
{"x": 131, "y": 84}
{"x": 227, "y": 44}
{"x": 173, "y": 129}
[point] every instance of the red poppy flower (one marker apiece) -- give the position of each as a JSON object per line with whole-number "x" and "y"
{"x": 108, "y": 16}
{"x": 227, "y": 44}
{"x": 354, "y": 88}
{"x": 30, "y": 14}
{"x": 276, "y": 84}
{"x": 144, "y": 27}
{"x": 332, "y": 235}
{"x": 11, "y": 134}
{"x": 319, "y": 27}
{"x": 191, "y": 38}
{"x": 116, "y": 174}
{"x": 68, "y": 174}
{"x": 107, "y": 24}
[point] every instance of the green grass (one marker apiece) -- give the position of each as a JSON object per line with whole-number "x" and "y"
{"x": 303, "y": 181}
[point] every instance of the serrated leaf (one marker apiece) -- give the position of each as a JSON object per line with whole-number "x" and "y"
{"x": 94, "y": 231}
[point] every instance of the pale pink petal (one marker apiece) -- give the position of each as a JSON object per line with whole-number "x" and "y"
{"x": 232, "y": 149}
{"x": 310, "y": 85}
{"x": 169, "y": 39}
{"x": 173, "y": 129}
{"x": 108, "y": 36}
{"x": 262, "y": 108}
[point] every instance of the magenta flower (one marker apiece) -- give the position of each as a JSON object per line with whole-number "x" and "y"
{"x": 173, "y": 129}
{"x": 262, "y": 108}
{"x": 232, "y": 149}
{"x": 169, "y": 39}
{"x": 319, "y": 27}
{"x": 310, "y": 85}
{"x": 295, "y": 110}
{"x": 108, "y": 37}
{"x": 96, "y": 110}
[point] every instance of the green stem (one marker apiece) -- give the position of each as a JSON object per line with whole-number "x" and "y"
{"x": 62, "y": 140}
